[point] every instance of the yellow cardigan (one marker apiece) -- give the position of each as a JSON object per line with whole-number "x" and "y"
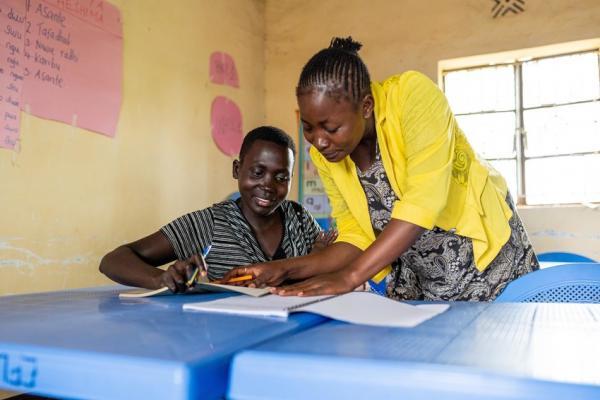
{"x": 432, "y": 168}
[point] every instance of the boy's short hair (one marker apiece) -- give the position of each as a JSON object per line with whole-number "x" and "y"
{"x": 269, "y": 134}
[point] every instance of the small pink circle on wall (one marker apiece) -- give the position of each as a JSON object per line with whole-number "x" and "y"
{"x": 226, "y": 125}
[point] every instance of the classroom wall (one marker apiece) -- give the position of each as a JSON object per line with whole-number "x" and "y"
{"x": 69, "y": 195}
{"x": 416, "y": 34}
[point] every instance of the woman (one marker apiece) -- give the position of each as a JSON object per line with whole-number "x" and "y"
{"x": 414, "y": 205}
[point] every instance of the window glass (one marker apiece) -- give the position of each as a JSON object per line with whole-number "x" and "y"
{"x": 560, "y": 80}
{"x": 564, "y": 129}
{"x": 554, "y": 180}
{"x": 481, "y": 89}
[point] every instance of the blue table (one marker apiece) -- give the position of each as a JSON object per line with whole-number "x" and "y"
{"x": 90, "y": 344}
{"x": 472, "y": 351}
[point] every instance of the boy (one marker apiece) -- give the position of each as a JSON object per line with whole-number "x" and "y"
{"x": 259, "y": 226}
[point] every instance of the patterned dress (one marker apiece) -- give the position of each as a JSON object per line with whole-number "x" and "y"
{"x": 440, "y": 264}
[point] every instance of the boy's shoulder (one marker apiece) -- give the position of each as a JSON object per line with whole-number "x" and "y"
{"x": 223, "y": 207}
{"x": 227, "y": 207}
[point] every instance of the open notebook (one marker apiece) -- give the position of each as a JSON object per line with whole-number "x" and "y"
{"x": 355, "y": 307}
{"x": 199, "y": 287}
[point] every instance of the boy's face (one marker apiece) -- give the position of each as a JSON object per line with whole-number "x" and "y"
{"x": 264, "y": 177}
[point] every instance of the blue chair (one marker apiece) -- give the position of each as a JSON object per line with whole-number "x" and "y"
{"x": 565, "y": 257}
{"x": 568, "y": 283}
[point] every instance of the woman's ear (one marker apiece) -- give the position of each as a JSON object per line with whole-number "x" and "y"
{"x": 368, "y": 103}
{"x": 236, "y": 169}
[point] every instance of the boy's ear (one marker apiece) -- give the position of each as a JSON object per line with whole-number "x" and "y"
{"x": 236, "y": 169}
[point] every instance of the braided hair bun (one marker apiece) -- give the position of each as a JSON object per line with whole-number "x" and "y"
{"x": 348, "y": 44}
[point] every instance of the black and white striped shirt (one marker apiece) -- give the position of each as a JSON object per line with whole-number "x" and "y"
{"x": 233, "y": 241}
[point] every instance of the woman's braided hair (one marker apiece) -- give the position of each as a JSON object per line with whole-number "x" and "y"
{"x": 337, "y": 68}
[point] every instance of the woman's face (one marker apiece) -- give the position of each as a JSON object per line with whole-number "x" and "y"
{"x": 333, "y": 124}
{"x": 264, "y": 177}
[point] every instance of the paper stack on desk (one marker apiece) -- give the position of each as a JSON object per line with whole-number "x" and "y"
{"x": 362, "y": 308}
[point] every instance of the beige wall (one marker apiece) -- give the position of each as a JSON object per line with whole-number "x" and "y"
{"x": 417, "y": 34}
{"x": 70, "y": 195}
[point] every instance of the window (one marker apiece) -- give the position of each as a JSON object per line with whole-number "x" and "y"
{"x": 537, "y": 122}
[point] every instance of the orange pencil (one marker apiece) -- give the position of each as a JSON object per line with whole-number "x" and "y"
{"x": 241, "y": 278}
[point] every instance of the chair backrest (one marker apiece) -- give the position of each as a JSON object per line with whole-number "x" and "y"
{"x": 560, "y": 256}
{"x": 569, "y": 283}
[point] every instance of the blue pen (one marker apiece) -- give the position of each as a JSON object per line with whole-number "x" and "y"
{"x": 204, "y": 255}
{"x": 205, "y": 252}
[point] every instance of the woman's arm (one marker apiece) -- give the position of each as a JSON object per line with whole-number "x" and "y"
{"x": 330, "y": 259}
{"x": 395, "y": 239}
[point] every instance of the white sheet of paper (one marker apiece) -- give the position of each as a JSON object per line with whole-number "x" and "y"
{"x": 361, "y": 308}
{"x": 267, "y": 306}
{"x": 370, "y": 309}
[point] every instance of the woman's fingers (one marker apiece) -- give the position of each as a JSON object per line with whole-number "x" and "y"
{"x": 327, "y": 284}
{"x": 296, "y": 289}
{"x": 314, "y": 291}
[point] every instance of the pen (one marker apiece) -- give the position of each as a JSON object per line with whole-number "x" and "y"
{"x": 192, "y": 279}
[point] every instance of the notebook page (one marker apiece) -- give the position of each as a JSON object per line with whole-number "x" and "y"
{"x": 268, "y": 306}
{"x": 366, "y": 308}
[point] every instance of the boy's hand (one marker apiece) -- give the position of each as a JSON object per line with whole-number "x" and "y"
{"x": 265, "y": 274}
{"x": 179, "y": 273}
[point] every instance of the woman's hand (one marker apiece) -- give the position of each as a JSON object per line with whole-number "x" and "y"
{"x": 177, "y": 277}
{"x": 264, "y": 274}
{"x": 325, "y": 284}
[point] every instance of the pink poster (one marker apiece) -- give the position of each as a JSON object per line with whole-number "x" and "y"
{"x": 226, "y": 125}
{"x": 223, "y": 70}
{"x": 61, "y": 60}
{"x": 12, "y": 15}
{"x": 73, "y": 63}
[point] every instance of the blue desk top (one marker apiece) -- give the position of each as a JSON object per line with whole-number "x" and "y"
{"x": 472, "y": 351}
{"x": 90, "y": 344}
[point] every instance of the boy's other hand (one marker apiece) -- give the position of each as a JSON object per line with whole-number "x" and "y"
{"x": 264, "y": 274}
